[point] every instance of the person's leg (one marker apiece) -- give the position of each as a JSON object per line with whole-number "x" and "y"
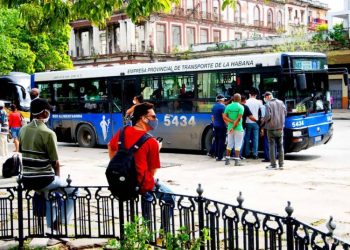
{"x": 266, "y": 147}
{"x": 280, "y": 148}
{"x": 230, "y": 144}
{"x": 271, "y": 139}
{"x": 220, "y": 142}
{"x": 51, "y": 216}
{"x": 255, "y": 139}
{"x": 247, "y": 136}
{"x": 168, "y": 208}
{"x": 238, "y": 139}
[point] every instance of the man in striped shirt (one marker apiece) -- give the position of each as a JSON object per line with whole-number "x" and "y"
{"x": 41, "y": 168}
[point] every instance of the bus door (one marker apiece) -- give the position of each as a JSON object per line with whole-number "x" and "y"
{"x": 122, "y": 92}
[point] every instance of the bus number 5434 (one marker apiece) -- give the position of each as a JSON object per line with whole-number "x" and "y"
{"x": 176, "y": 120}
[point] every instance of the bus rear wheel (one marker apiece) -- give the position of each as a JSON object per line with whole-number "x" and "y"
{"x": 86, "y": 136}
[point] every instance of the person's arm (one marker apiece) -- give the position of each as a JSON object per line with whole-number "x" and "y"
{"x": 56, "y": 168}
{"x": 111, "y": 152}
{"x": 130, "y": 110}
{"x": 236, "y": 122}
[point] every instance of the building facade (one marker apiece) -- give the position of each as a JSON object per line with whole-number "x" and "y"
{"x": 192, "y": 22}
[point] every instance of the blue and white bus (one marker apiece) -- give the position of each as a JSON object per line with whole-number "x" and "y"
{"x": 90, "y": 103}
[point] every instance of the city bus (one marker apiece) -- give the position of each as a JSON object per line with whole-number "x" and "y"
{"x": 90, "y": 103}
{"x": 15, "y": 88}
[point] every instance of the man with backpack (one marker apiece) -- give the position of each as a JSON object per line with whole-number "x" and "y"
{"x": 146, "y": 157}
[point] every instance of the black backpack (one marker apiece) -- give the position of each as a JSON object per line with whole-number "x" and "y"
{"x": 121, "y": 171}
{"x": 11, "y": 166}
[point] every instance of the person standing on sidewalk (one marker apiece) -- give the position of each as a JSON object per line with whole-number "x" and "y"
{"x": 233, "y": 116}
{"x": 219, "y": 127}
{"x": 275, "y": 113}
{"x": 15, "y": 124}
{"x": 251, "y": 138}
{"x": 3, "y": 130}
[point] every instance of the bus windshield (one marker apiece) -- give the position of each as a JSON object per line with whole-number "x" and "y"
{"x": 15, "y": 89}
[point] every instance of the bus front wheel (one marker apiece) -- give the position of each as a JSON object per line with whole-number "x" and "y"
{"x": 86, "y": 136}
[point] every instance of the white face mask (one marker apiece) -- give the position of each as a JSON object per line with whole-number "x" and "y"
{"x": 133, "y": 101}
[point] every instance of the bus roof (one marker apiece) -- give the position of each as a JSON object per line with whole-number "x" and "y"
{"x": 210, "y": 63}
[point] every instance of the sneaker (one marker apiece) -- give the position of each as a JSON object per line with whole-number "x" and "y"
{"x": 210, "y": 155}
{"x": 227, "y": 161}
{"x": 242, "y": 158}
{"x": 280, "y": 166}
{"x": 265, "y": 160}
{"x": 271, "y": 167}
{"x": 255, "y": 157}
{"x": 238, "y": 163}
{"x": 218, "y": 159}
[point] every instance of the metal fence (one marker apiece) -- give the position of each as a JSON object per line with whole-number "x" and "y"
{"x": 97, "y": 214}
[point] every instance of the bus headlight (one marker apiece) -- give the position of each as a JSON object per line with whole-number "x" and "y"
{"x": 297, "y": 133}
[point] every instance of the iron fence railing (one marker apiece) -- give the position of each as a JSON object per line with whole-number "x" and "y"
{"x": 97, "y": 214}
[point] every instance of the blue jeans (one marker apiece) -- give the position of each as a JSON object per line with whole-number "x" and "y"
{"x": 168, "y": 211}
{"x": 220, "y": 138}
{"x": 58, "y": 183}
{"x": 252, "y": 133}
{"x": 276, "y": 137}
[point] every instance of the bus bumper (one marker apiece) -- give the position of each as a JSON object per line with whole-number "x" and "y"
{"x": 296, "y": 144}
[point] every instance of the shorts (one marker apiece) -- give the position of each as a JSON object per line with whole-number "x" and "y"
{"x": 235, "y": 140}
{"x": 15, "y": 132}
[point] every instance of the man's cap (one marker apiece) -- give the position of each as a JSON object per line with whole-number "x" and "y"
{"x": 220, "y": 98}
{"x": 38, "y": 105}
{"x": 267, "y": 93}
{"x": 2, "y": 104}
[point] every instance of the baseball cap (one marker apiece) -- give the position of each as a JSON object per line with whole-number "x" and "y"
{"x": 2, "y": 104}
{"x": 220, "y": 98}
{"x": 267, "y": 93}
{"x": 38, "y": 105}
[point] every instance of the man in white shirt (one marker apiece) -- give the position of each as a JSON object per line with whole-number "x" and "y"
{"x": 251, "y": 139}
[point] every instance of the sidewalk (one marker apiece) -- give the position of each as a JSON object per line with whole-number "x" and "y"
{"x": 341, "y": 114}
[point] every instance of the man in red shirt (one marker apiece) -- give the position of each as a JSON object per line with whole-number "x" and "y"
{"x": 15, "y": 124}
{"x": 147, "y": 158}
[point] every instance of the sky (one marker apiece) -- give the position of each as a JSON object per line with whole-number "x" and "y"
{"x": 334, "y": 5}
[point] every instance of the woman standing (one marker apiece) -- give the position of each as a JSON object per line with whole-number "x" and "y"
{"x": 15, "y": 123}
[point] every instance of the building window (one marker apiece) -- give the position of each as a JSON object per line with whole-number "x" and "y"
{"x": 189, "y": 4}
{"x": 85, "y": 43}
{"x": 238, "y": 14}
{"x": 176, "y": 33}
{"x": 190, "y": 35}
{"x": 302, "y": 15}
{"x": 238, "y": 36}
{"x": 204, "y": 6}
{"x": 217, "y": 36}
{"x": 203, "y": 36}
{"x": 279, "y": 19}
{"x": 103, "y": 44}
{"x": 256, "y": 16}
{"x": 269, "y": 18}
{"x": 161, "y": 38}
{"x": 290, "y": 14}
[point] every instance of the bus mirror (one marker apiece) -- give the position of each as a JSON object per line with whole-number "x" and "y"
{"x": 301, "y": 82}
{"x": 346, "y": 78}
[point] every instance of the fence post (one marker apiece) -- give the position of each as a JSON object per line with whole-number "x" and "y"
{"x": 20, "y": 214}
{"x": 289, "y": 226}
{"x": 121, "y": 219}
{"x": 200, "y": 201}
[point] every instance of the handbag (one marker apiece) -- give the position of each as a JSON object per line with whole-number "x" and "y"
{"x": 11, "y": 166}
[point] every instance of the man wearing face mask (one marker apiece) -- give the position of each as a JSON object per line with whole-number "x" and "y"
{"x": 147, "y": 158}
{"x": 41, "y": 168}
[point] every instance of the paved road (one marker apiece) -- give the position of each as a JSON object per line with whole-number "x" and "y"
{"x": 316, "y": 181}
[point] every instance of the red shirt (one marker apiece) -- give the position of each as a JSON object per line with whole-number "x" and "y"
{"x": 146, "y": 157}
{"x": 15, "y": 120}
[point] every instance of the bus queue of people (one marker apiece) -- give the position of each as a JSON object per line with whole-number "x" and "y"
{"x": 239, "y": 124}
